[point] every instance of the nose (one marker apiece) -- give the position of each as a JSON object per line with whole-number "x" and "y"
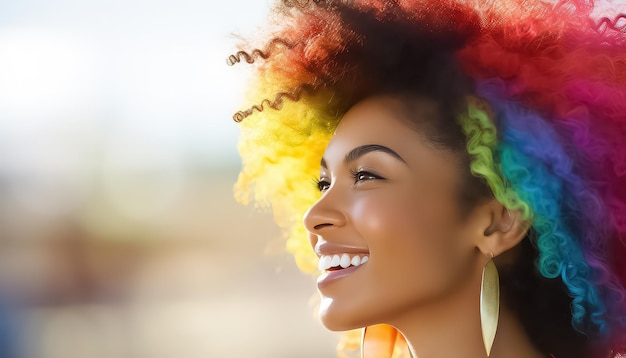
{"x": 325, "y": 214}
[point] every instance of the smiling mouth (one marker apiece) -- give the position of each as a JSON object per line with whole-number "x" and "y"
{"x": 341, "y": 261}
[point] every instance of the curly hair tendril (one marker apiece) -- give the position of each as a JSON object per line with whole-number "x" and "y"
{"x": 250, "y": 57}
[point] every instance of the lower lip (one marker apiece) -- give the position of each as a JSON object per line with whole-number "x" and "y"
{"x": 331, "y": 276}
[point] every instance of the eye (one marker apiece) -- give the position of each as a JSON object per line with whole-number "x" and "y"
{"x": 362, "y": 175}
{"x": 322, "y": 184}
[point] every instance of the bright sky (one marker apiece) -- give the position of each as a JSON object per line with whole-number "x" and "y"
{"x": 122, "y": 98}
{"x": 135, "y": 82}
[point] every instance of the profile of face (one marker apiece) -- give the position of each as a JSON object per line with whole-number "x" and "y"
{"x": 388, "y": 227}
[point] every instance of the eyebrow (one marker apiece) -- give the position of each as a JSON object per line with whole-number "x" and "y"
{"x": 360, "y": 151}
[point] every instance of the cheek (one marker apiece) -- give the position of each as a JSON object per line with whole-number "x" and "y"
{"x": 411, "y": 234}
{"x": 396, "y": 219}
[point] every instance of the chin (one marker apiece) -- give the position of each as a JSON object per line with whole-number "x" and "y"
{"x": 336, "y": 320}
{"x": 333, "y": 324}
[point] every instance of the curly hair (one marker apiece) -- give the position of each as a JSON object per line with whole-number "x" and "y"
{"x": 531, "y": 96}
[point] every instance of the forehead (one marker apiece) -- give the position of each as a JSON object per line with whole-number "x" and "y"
{"x": 382, "y": 120}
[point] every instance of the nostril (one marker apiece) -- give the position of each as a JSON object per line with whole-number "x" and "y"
{"x": 321, "y": 226}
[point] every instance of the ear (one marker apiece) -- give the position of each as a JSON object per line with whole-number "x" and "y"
{"x": 502, "y": 229}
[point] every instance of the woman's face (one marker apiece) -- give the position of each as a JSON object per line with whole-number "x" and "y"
{"x": 390, "y": 196}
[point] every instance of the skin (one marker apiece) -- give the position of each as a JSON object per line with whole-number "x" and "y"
{"x": 425, "y": 257}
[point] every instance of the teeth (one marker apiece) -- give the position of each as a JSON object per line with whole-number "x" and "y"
{"x": 340, "y": 260}
{"x": 356, "y": 261}
{"x": 345, "y": 261}
{"x": 324, "y": 262}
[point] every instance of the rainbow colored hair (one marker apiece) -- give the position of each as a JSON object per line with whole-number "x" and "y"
{"x": 552, "y": 145}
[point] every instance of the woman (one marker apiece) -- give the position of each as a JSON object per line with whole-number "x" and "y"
{"x": 471, "y": 193}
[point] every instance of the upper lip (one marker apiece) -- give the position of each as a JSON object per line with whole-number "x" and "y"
{"x": 327, "y": 248}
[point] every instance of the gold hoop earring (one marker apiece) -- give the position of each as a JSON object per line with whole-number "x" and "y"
{"x": 489, "y": 303}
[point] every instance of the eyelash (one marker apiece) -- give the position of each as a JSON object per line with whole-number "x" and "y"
{"x": 357, "y": 175}
{"x": 320, "y": 184}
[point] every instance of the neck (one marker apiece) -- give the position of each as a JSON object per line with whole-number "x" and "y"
{"x": 451, "y": 328}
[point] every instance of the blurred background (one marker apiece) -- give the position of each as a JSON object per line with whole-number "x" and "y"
{"x": 119, "y": 236}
